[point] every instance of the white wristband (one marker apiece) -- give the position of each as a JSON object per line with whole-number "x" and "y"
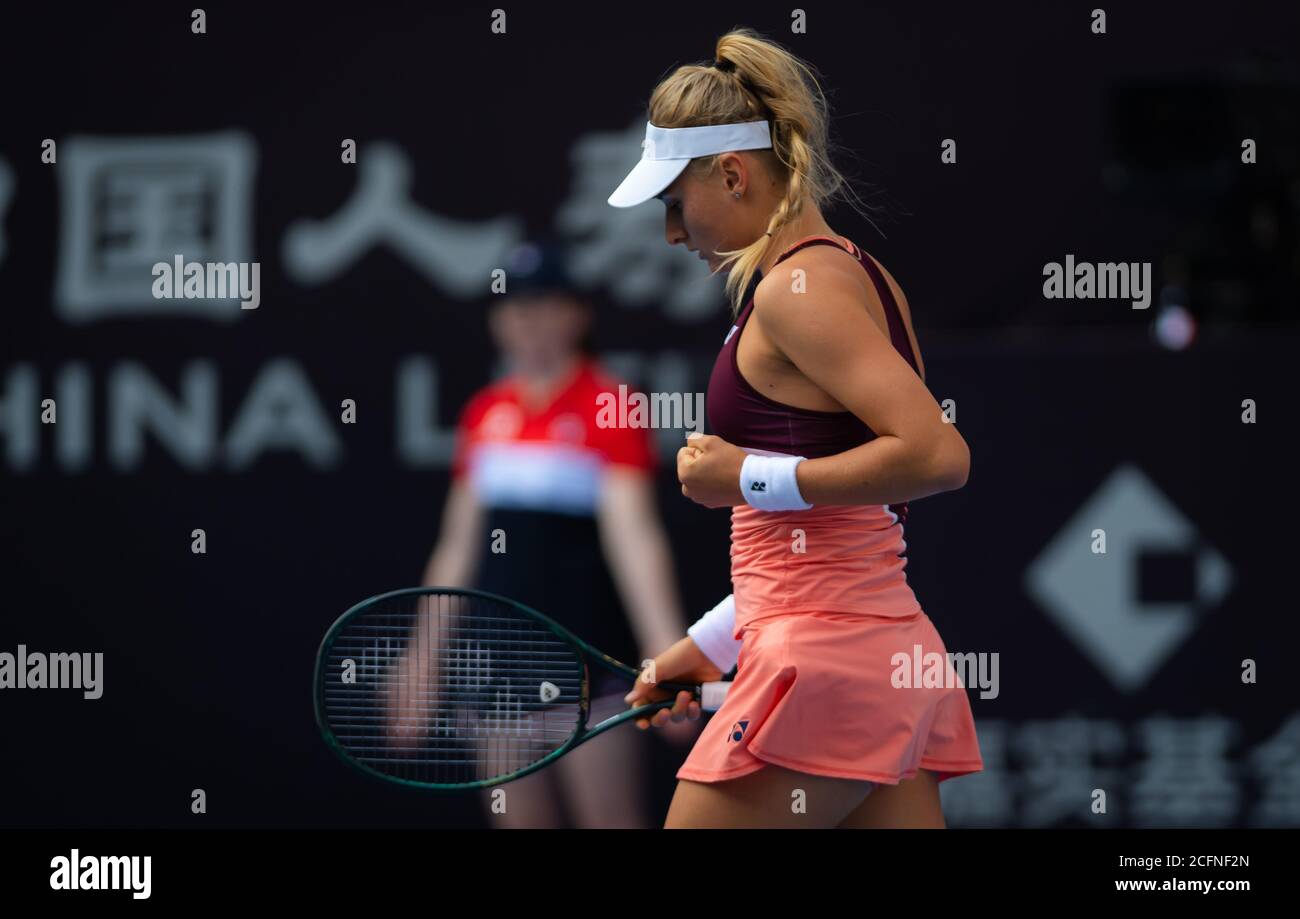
{"x": 769, "y": 484}
{"x": 713, "y": 634}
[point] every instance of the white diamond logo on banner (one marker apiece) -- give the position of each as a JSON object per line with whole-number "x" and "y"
{"x": 1095, "y": 599}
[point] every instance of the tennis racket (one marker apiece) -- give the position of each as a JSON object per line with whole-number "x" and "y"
{"x": 450, "y": 689}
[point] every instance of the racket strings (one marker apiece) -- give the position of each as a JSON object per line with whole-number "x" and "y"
{"x": 450, "y": 689}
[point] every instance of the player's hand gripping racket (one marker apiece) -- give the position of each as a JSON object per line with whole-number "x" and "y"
{"x": 452, "y": 689}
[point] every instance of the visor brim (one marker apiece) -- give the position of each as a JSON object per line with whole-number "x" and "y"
{"x": 647, "y": 179}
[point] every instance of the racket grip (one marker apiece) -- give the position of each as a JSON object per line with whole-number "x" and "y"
{"x": 712, "y": 695}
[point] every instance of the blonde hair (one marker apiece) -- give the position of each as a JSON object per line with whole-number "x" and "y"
{"x": 762, "y": 81}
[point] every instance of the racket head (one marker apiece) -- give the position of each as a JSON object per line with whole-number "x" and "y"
{"x": 490, "y": 690}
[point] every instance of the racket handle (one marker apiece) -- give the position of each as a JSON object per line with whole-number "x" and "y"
{"x": 712, "y": 695}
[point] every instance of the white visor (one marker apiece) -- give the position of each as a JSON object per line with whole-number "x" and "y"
{"x": 666, "y": 151}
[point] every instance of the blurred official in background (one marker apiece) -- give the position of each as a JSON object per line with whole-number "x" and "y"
{"x": 548, "y": 508}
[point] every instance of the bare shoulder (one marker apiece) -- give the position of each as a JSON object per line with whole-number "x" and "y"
{"x": 830, "y": 275}
{"x": 824, "y": 262}
{"x": 839, "y": 287}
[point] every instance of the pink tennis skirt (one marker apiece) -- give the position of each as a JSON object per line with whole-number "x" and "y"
{"x": 832, "y": 691}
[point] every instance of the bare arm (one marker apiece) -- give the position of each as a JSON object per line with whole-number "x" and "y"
{"x": 459, "y": 539}
{"x": 841, "y": 349}
{"x": 639, "y": 557}
{"x": 451, "y": 564}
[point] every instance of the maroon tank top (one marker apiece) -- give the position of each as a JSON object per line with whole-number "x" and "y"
{"x": 741, "y": 415}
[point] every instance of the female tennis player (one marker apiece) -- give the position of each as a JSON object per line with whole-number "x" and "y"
{"x": 550, "y": 509}
{"x": 823, "y": 431}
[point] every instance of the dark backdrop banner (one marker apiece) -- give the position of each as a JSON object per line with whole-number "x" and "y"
{"x": 126, "y": 139}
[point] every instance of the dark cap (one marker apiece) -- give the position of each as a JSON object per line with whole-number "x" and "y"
{"x": 537, "y": 267}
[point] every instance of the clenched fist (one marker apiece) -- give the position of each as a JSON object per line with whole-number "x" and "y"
{"x": 709, "y": 469}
